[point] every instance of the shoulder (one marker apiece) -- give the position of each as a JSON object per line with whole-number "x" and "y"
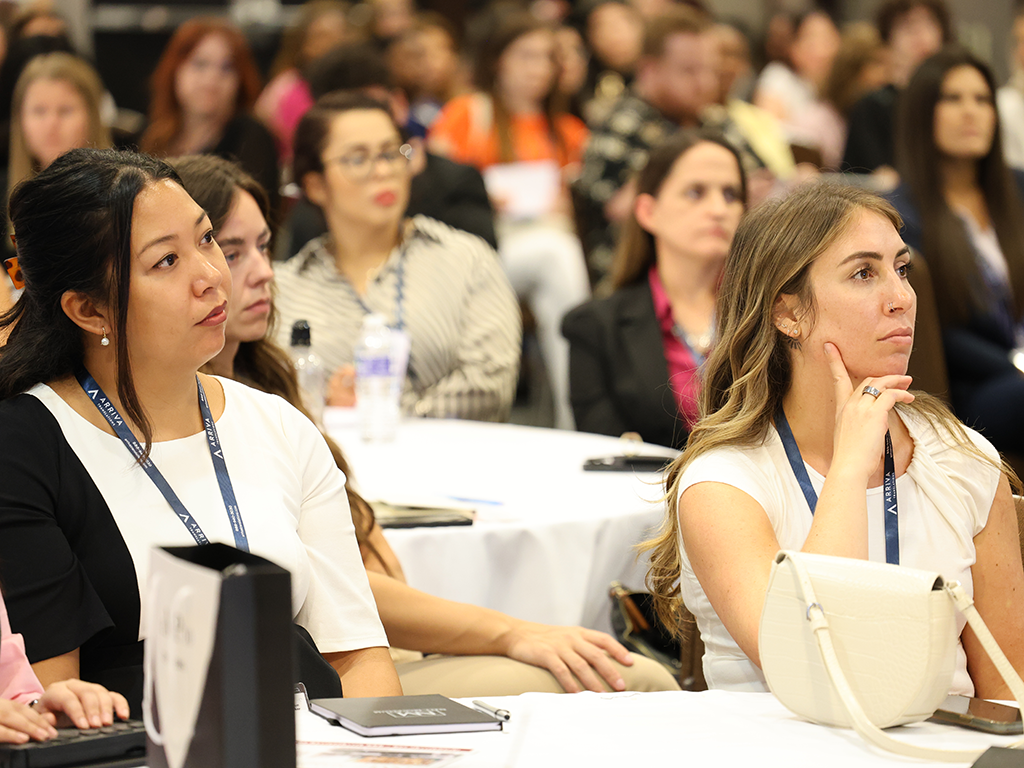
{"x": 436, "y": 239}
{"x": 751, "y": 469}
{"x": 627, "y": 303}
{"x": 26, "y": 416}
{"x": 309, "y": 254}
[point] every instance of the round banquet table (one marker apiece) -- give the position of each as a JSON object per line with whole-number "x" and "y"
{"x": 548, "y": 538}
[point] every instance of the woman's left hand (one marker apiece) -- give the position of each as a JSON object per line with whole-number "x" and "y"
{"x": 84, "y": 705}
{"x": 573, "y": 655}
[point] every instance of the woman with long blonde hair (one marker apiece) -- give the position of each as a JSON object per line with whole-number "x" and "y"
{"x": 807, "y": 421}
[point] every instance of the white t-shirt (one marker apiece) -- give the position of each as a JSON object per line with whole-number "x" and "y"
{"x": 944, "y": 501}
{"x": 290, "y": 493}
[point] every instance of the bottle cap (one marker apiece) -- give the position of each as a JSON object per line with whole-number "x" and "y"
{"x": 300, "y": 334}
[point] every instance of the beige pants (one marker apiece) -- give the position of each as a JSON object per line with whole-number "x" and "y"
{"x": 467, "y": 676}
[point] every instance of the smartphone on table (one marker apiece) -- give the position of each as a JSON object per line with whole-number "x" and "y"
{"x": 979, "y": 714}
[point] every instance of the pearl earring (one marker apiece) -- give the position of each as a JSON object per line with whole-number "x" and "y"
{"x": 104, "y": 342}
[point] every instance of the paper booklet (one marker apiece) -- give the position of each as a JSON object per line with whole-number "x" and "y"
{"x": 403, "y": 715}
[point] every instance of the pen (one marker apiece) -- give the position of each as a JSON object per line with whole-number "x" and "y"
{"x": 497, "y": 714}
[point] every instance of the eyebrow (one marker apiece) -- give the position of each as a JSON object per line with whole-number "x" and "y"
{"x": 171, "y": 236}
{"x": 873, "y": 255}
{"x": 241, "y": 240}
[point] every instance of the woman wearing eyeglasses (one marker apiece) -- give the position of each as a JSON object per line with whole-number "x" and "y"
{"x": 444, "y": 288}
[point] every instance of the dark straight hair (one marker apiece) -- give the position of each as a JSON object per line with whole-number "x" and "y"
{"x": 635, "y": 252}
{"x": 73, "y": 226}
{"x": 215, "y": 183}
{"x": 959, "y": 287}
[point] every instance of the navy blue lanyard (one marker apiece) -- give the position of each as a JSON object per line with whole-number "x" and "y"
{"x": 109, "y": 412}
{"x": 399, "y": 292}
{"x": 890, "y": 505}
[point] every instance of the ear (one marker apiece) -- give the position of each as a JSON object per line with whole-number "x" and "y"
{"x": 86, "y": 314}
{"x": 643, "y": 209}
{"x": 786, "y": 315}
{"x": 314, "y": 188}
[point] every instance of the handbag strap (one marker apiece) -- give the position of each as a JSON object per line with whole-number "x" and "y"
{"x": 864, "y": 727}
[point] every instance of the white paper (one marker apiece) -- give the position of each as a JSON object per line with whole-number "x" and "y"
{"x": 524, "y": 191}
{"x": 325, "y": 755}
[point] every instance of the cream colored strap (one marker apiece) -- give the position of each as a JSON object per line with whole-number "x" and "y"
{"x": 868, "y": 730}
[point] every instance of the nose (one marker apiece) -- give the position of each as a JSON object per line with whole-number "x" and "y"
{"x": 902, "y": 297}
{"x": 262, "y": 272}
{"x": 208, "y": 275}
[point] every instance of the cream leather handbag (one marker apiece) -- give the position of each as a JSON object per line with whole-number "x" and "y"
{"x": 867, "y": 645}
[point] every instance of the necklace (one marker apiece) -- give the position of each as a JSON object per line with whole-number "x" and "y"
{"x": 700, "y": 345}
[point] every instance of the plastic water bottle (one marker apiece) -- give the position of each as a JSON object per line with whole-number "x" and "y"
{"x": 378, "y": 385}
{"x": 309, "y": 370}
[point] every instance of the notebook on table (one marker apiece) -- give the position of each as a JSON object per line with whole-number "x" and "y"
{"x": 403, "y": 715}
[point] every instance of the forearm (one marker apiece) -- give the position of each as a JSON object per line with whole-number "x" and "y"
{"x": 840, "y": 525}
{"x": 57, "y": 668}
{"x": 480, "y": 393}
{"x": 366, "y": 672}
{"x": 421, "y": 622}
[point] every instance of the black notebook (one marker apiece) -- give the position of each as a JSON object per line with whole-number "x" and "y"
{"x": 402, "y": 715}
{"x": 391, "y": 515}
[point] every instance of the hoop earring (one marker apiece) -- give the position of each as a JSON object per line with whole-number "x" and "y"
{"x": 104, "y": 342}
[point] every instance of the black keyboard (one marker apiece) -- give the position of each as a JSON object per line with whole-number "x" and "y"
{"x": 121, "y": 745}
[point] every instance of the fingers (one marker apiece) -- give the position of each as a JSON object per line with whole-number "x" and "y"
{"x": 86, "y": 705}
{"x": 19, "y": 723}
{"x": 840, "y": 376}
{"x": 610, "y": 645}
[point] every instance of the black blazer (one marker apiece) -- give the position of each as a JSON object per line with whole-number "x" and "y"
{"x": 618, "y": 376}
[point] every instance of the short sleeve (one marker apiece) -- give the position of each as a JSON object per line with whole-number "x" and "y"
{"x": 450, "y": 135}
{"x": 731, "y": 467}
{"x": 339, "y": 610}
{"x": 49, "y": 511}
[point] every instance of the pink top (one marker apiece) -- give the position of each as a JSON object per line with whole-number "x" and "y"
{"x": 281, "y": 105}
{"x": 17, "y": 680}
{"x": 682, "y": 367}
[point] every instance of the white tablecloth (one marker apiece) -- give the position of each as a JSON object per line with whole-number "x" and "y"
{"x": 714, "y": 728}
{"x": 549, "y": 537}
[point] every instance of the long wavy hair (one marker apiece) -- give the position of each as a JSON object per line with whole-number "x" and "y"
{"x": 165, "y": 112}
{"x": 69, "y": 69}
{"x": 635, "y": 249}
{"x": 73, "y": 225}
{"x": 959, "y": 286}
{"x": 749, "y": 371}
{"x": 215, "y": 183}
{"x": 508, "y": 29}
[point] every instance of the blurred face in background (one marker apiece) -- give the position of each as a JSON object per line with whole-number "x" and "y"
{"x": 734, "y": 68}
{"x": 814, "y": 47}
{"x": 325, "y": 32}
{"x": 915, "y": 36}
{"x": 615, "y": 33}
{"x": 686, "y": 76}
{"x": 206, "y": 84}
{"x": 965, "y": 116}
{"x": 245, "y": 240}
{"x": 572, "y": 59}
{"x": 54, "y": 119}
{"x": 526, "y": 69}
{"x": 1018, "y": 39}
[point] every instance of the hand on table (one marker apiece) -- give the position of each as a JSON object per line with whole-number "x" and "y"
{"x": 862, "y": 419}
{"x": 570, "y": 654}
{"x": 81, "y": 704}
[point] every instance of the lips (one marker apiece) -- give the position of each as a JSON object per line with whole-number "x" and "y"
{"x": 217, "y": 315}
{"x": 900, "y": 335}
{"x": 260, "y": 306}
{"x": 385, "y": 198}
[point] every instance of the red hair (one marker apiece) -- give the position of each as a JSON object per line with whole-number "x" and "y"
{"x": 164, "y": 109}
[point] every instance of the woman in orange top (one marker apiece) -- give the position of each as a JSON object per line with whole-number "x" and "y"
{"x": 527, "y": 149}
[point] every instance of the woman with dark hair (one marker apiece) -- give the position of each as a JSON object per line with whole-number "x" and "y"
{"x": 441, "y": 287}
{"x": 634, "y": 355}
{"x": 962, "y": 209}
{"x": 492, "y": 654}
{"x": 809, "y": 440}
{"x": 123, "y": 445}
{"x": 527, "y": 148}
{"x": 202, "y": 93}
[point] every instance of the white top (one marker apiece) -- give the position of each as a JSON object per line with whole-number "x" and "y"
{"x": 1010, "y": 105}
{"x": 290, "y": 492}
{"x": 944, "y": 501}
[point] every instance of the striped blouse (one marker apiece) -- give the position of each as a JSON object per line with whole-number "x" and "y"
{"x": 458, "y": 308}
